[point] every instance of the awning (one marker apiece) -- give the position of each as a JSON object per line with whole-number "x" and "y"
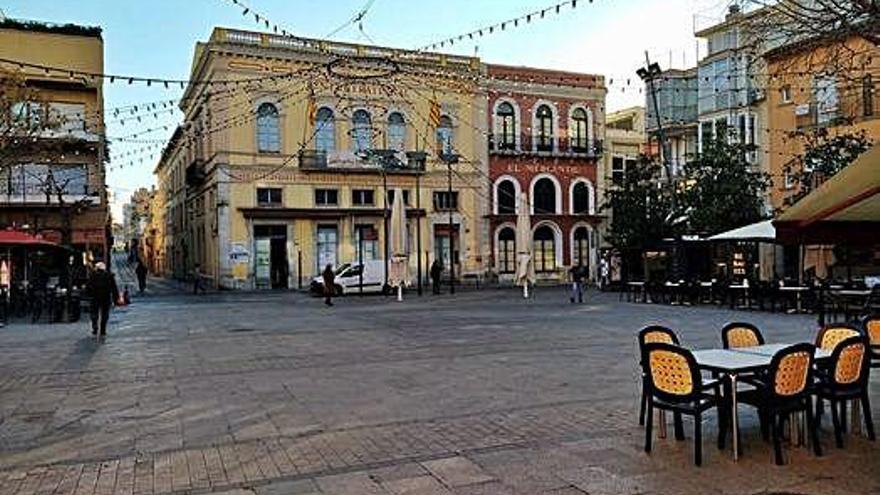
{"x": 756, "y": 232}
{"x": 10, "y": 238}
{"x": 845, "y": 209}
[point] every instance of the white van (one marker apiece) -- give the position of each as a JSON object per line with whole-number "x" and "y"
{"x": 348, "y": 278}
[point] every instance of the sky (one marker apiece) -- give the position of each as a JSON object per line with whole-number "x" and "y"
{"x": 156, "y": 39}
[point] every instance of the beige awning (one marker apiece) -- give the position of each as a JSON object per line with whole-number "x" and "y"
{"x": 846, "y": 208}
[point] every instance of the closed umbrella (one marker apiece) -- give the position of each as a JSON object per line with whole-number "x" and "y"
{"x": 525, "y": 266}
{"x": 399, "y": 263}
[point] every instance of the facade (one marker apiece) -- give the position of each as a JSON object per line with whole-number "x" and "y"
{"x": 546, "y": 142}
{"x": 804, "y": 99}
{"x": 676, "y": 92}
{"x": 294, "y": 168}
{"x": 53, "y": 184}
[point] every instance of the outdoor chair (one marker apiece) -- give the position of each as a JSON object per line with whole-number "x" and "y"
{"x": 845, "y": 380}
{"x": 831, "y": 335}
{"x": 872, "y": 330}
{"x": 649, "y": 335}
{"x": 675, "y": 384}
{"x": 786, "y": 390}
{"x": 738, "y": 334}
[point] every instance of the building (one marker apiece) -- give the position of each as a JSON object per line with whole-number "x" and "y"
{"x": 804, "y": 98}
{"x": 290, "y": 159}
{"x": 52, "y": 180}
{"x": 546, "y": 142}
{"x": 676, "y": 102}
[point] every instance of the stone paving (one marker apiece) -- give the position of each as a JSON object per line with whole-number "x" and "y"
{"x": 477, "y": 393}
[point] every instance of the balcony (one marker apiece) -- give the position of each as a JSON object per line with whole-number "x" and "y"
{"x": 195, "y": 173}
{"x": 374, "y": 160}
{"x": 545, "y": 146}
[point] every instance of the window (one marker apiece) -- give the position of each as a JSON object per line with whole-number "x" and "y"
{"x": 506, "y": 123}
{"x": 505, "y": 197}
{"x": 325, "y": 246}
{"x": 326, "y": 197}
{"x": 68, "y": 118}
{"x": 544, "y": 129}
{"x": 367, "y": 239}
{"x": 705, "y": 134}
{"x": 391, "y": 197}
{"x": 269, "y": 196}
{"x": 785, "y": 93}
{"x": 362, "y": 197}
{"x": 618, "y": 174}
{"x": 581, "y": 247}
{"x": 445, "y": 201}
{"x": 268, "y": 134}
{"x": 544, "y": 248}
{"x": 544, "y": 197}
{"x": 581, "y": 199}
{"x": 325, "y": 131}
{"x": 396, "y": 131}
{"x": 361, "y": 131}
{"x": 507, "y": 250}
{"x": 721, "y": 128}
{"x": 444, "y": 135}
{"x": 579, "y": 126}
{"x": 867, "y": 96}
{"x": 741, "y": 133}
{"x": 826, "y": 98}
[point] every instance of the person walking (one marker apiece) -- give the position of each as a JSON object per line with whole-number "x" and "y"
{"x": 329, "y": 283}
{"x": 141, "y": 272}
{"x": 604, "y": 272}
{"x": 197, "y": 279}
{"x": 104, "y": 293}
{"x": 436, "y": 272}
{"x": 577, "y": 283}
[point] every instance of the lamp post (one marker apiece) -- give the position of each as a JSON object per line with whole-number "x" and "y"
{"x": 386, "y": 160}
{"x": 449, "y": 159}
{"x": 417, "y": 159}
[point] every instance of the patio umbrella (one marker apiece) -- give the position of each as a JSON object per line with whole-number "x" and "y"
{"x": 399, "y": 263}
{"x": 525, "y": 266}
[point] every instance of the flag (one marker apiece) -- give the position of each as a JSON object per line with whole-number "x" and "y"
{"x": 312, "y": 110}
{"x": 434, "y": 115}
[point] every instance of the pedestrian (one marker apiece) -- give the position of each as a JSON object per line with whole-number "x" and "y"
{"x": 197, "y": 279}
{"x": 104, "y": 293}
{"x": 436, "y": 272}
{"x": 604, "y": 271}
{"x": 329, "y": 283}
{"x": 577, "y": 283}
{"x": 141, "y": 272}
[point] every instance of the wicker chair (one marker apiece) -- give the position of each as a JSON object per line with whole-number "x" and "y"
{"x": 831, "y": 335}
{"x": 737, "y": 335}
{"x": 786, "y": 390}
{"x": 846, "y": 380}
{"x": 649, "y": 335}
{"x": 872, "y": 330}
{"x": 675, "y": 384}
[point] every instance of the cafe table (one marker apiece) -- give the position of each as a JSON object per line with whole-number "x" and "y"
{"x": 733, "y": 363}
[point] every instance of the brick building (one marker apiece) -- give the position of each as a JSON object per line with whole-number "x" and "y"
{"x": 545, "y": 142}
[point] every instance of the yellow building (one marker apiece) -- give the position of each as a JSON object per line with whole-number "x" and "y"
{"x": 803, "y": 97}
{"x": 52, "y": 169}
{"x": 291, "y": 149}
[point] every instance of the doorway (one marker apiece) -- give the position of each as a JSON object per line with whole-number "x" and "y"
{"x": 271, "y": 256}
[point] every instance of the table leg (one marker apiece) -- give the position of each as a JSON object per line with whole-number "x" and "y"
{"x": 855, "y": 419}
{"x": 661, "y": 431}
{"x": 734, "y": 417}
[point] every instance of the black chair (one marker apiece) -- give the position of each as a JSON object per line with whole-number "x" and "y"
{"x": 648, "y": 335}
{"x": 740, "y": 334}
{"x": 675, "y": 384}
{"x": 846, "y": 379}
{"x": 785, "y": 390}
{"x": 871, "y": 324}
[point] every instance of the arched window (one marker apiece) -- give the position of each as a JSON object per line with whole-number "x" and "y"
{"x": 396, "y": 131}
{"x": 544, "y": 248}
{"x": 361, "y": 131}
{"x": 506, "y": 250}
{"x": 506, "y": 126}
{"x": 581, "y": 248}
{"x": 580, "y": 199}
{"x": 445, "y": 136}
{"x": 505, "y": 196}
{"x": 544, "y": 197}
{"x": 579, "y": 135}
{"x": 268, "y": 134}
{"x": 544, "y": 129}
{"x": 325, "y": 130}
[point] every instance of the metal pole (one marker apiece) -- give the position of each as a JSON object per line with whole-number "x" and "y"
{"x": 451, "y": 230}
{"x": 385, "y": 222}
{"x": 299, "y": 268}
{"x": 360, "y": 235}
{"x": 418, "y": 233}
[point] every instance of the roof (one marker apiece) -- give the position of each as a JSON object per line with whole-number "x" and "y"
{"x": 845, "y": 203}
{"x": 50, "y": 28}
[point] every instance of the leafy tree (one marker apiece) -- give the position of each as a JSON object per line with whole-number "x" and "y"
{"x": 721, "y": 190}
{"x": 824, "y": 155}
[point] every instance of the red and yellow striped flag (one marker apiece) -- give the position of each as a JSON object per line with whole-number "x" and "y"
{"x": 312, "y": 110}
{"x": 434, "y": 115}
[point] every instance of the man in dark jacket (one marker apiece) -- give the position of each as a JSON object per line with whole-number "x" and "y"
{"x": 102, "y": 288}
{"x": 141, "y": 272}
{"x": 329, "y": 277}
{"x": 436, "y": 272}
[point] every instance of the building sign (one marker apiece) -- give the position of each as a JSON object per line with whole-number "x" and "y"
{"x": 92, "y": 236}
{"x": 514, "y": 168}
{"x": 738, "y": 266}
{"x": 239, "y": 253}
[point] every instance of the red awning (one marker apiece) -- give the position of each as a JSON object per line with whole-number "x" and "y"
{"x": 17, "y": 238}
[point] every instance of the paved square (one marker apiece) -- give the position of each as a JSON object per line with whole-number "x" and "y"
{"x": 477, "y": 393}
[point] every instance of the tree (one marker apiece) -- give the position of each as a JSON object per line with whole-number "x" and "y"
{"x": 824, "y": 155}
{"x": 839, "y": 20}
{"x": 721, "y": 190}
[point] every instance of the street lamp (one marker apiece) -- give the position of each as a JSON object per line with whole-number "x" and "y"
{"x": 417, "y": 159}
{"x": 386, "y": 160}
{"x": 449, "y": 159}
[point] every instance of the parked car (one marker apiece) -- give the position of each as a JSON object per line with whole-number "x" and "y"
{"x": 348, "y": 279}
